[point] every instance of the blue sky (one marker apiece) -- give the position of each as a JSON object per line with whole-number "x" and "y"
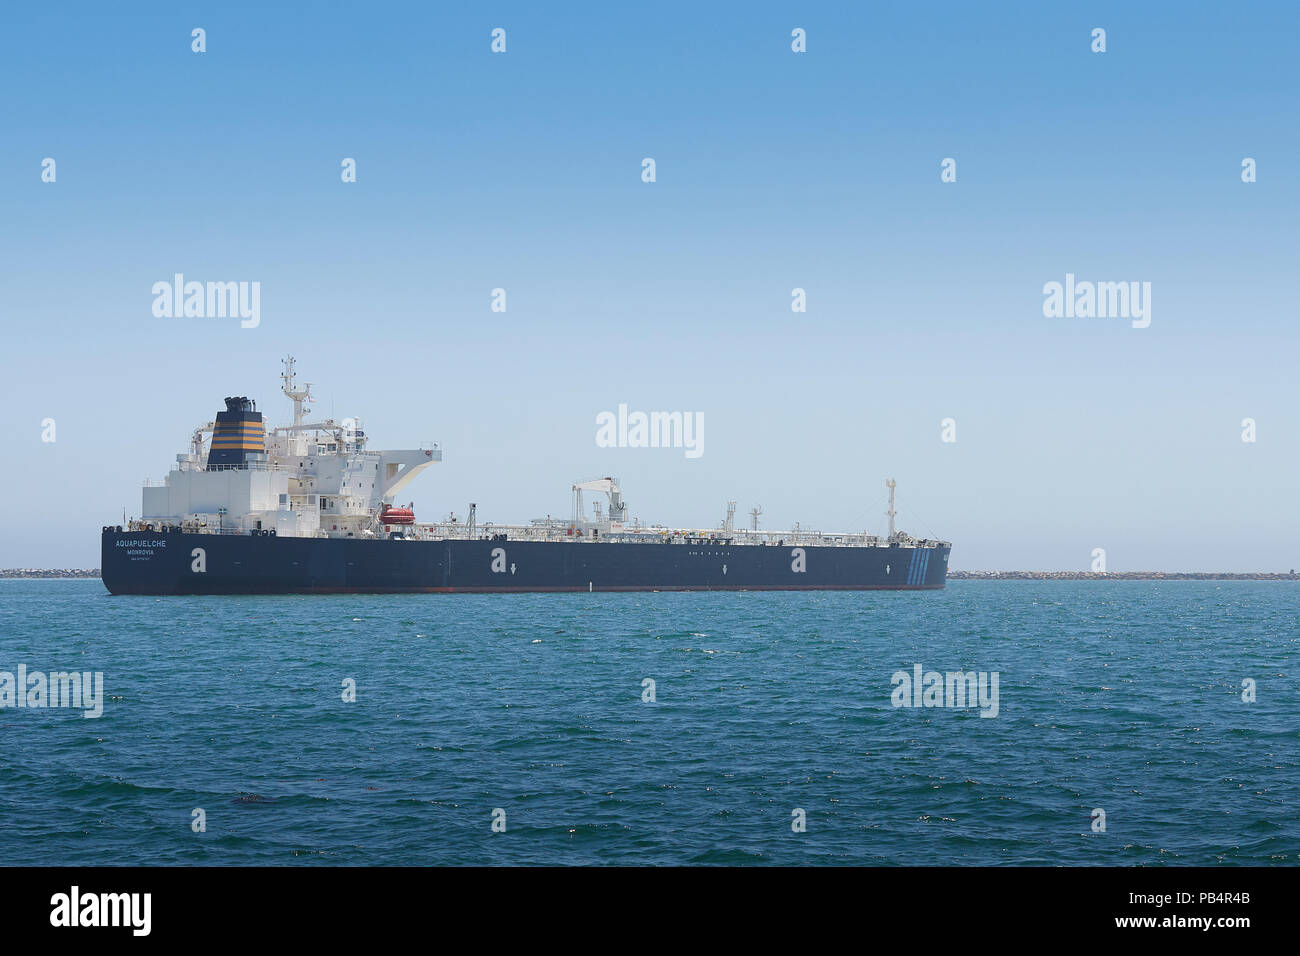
{"x": 775, "y": 170}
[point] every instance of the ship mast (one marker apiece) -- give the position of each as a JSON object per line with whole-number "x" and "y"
{"x": 889, "y": 483}
{"x": 299, "y": 395}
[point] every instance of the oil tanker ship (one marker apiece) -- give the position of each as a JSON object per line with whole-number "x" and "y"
{"x": 309, "y": 508}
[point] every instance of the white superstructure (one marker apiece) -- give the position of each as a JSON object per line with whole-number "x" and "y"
{"x": 314, "y": 478}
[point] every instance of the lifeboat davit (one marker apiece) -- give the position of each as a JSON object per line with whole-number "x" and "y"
{"x": 397, "y": 516}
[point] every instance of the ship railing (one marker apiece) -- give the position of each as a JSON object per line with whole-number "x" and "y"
{"x": 241, "y": 466}
{"x": 159, "y": 525}
{"x": 644, "y": 535}
{"x": 244, "y": 466}
{"x": 543, "y": 530}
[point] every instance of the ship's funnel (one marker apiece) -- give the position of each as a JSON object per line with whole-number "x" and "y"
{"x": 239, "y": 435}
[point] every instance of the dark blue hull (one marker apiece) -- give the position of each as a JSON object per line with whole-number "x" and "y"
{"x": 178, "y": 563}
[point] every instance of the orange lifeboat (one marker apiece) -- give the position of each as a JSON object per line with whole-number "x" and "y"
{"x": 397, "y": 516}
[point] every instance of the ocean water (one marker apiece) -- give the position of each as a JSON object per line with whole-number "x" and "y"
{"x": 1120, "y": 696}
